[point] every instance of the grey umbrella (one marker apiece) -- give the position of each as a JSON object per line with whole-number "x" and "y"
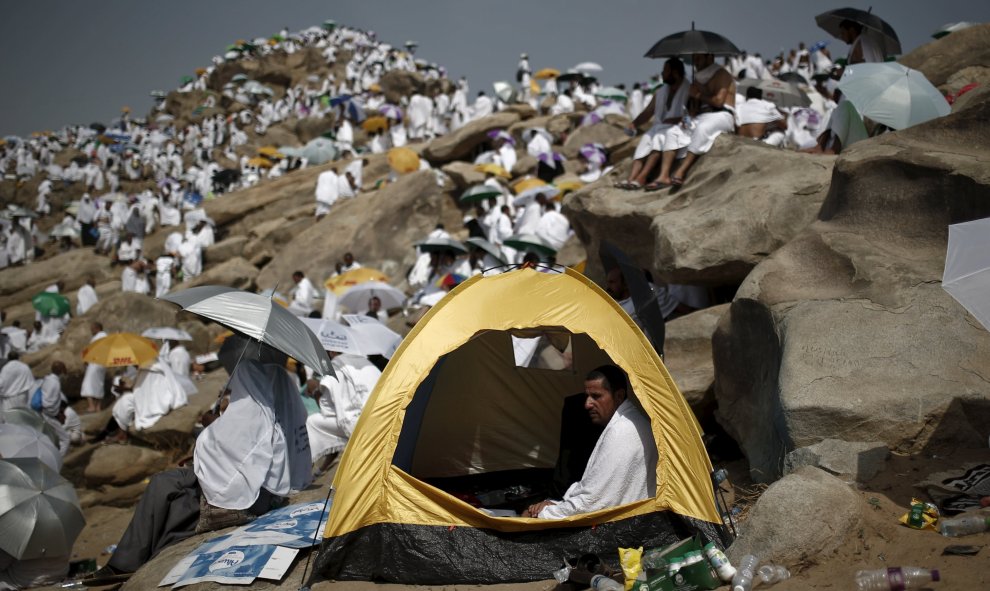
{"x": 488, "y": 247}
{"x": 258, "y": 317}
{"x": 831, "y": 20}
{"x": 783, "y": 94}
{"x": 29, "y": 418}
{"x": 39, "y": 510}
{"x": 692, "y": 42}
{"x": 644, "y": 300}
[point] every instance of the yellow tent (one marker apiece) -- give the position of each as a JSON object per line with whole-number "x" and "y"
{"x": 453, "y": 404}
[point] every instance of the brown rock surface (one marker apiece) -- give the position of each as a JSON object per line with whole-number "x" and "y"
{"x": 688, "y": 356}
{"x": 941, "y": 59}
{"x": 123, "y": 464}
{"x": 461, "y": 143}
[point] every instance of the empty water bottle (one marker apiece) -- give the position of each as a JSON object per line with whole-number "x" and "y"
{"x": 895, "y": 579}
{"x": 743, "y": 581}
{"x": 603, "y": 583}
{"x": 964, "y": 525}
{"x": 772, "y": 573}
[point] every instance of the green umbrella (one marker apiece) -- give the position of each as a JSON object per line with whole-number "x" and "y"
{"x": 612, "y": 93}
{"x": 51, "y": 304}
{"x": 186, "y": 80}
{"x": 329, "y": 24}
{"x": 479, "y": 193}
{"x": 530, "y": 243}
{"x": 39, "y": 510}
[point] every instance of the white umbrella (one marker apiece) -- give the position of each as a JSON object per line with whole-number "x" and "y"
{"x": 374, "y": 338}
{"x": 504, "y": 91}
{"x": 356, "y": 298}
{"x": 61, "y": 230}
{"x": 39, "y": 510}
{"x": 167, "y": 333}
{"x": 588, "y": 67}
{"x": 892, "y": 94}
{"x": 257, "y": 317}
{"x": 333, "y": 335}
{"x": 164, "y": 118}
{"x": 967, "y": 268}
{"x": 19, "y": 441}
{"x": 528, "y": 195}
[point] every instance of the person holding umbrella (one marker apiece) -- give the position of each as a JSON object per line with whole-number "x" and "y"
{"x": 714, "y": 92}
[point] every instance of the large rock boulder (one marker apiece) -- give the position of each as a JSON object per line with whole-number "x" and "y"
{"x": 608, "y": 135}
{"x": 461, "y": 143}
{"x": 235, "y": 272}
{"x": 688, "y": 356}
{"x": 404, "y": 211}
{"x": 856, "y": 460}
{"x": 463, "y": 174}
{"x": 942, "y": 59}
{"x": 123, "y": 464}
{"x": 18, "y": 284}
{"x": 741, "y": 201}
{"x": 845, "y": 332}
{"x": 777, "y": 529}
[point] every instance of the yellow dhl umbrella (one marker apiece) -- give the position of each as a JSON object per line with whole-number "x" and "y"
{"x": 260, "y": 162}
{"x": 341, "y": 283}
{"x": 534, "y": 87}
{"x": 546, "y": 74}
{"x": 375, "y": 124}
{"x": 526, "y": 184}
{"x": 121, "y": 349}
{"x": 403, "y": 160}
{"x": 270, "y": 152}
{"x": 495, "y": 169}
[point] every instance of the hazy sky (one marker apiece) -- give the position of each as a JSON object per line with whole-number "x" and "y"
{"x": 79, "y": 61}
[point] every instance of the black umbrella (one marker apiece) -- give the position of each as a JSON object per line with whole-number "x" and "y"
{"x": 692, "y": 42}
{"x": 792, "y": 77}
{"x": 831, "y": 20}
{"x": 644, "y": 300}
{"x": 98, "y": 127}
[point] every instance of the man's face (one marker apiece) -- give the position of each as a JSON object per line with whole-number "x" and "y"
{"x": 599, "y": 402}
{"x": 615, "y": 285}
{"x": 348, "y": 259}
{"x": 666, "y": 74}
{"x": 374, "y": 304}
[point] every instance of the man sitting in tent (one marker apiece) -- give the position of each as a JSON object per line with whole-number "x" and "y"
{"x": 622, "y": 467}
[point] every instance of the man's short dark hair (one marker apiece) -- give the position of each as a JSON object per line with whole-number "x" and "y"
{"x": 676, "y": 65}
{"x": 613, "y": 378}
{"x": 298, "y": 274}
{"x": 754, "y": 93}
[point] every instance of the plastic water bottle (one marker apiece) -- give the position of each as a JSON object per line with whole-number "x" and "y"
{"x": 720, "y": 562}
{"x": 772, "y": 573}
{"x": 743, "y": 581}
{"x": 603, "y": 583}
{"x": 964, "y": 525}
{"x": 895, "y": 579}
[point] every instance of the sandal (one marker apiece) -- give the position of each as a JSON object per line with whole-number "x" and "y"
{"x": 633, "y": 186}
{"x": 656, "y": 186}
{"x": 676, "y": 181}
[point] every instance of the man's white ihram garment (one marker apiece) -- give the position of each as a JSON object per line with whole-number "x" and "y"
{"x": 342, "y": 399}
{"x": 259, "y": 442}
{"x": 157, "y": 391}
{"x": 86, "y": 299}
{"x": 16, "y": 385}
{"x": 621, "y": 469}
{"x": 93, "y": 378}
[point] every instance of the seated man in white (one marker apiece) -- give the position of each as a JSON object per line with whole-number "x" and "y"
{"x": 622, "y": 467}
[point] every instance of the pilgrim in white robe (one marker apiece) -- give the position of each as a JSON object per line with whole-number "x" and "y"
{"x": 86, "y": 298}
{"x": 94, "y": 376}
{"x": 303, "y": 295}
{"x": 621, "y": 469}
{"x": 16, "y": 385}
{"x": 342, "y": 399}
{"x": 231, "y": 468}
{"x": 327, "y": 192}
{"x": 553, "y": 229}
{"x": 156, "y": 392}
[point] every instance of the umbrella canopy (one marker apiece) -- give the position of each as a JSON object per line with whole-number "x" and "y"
{"x": 571, "y": 75}
{"x": 527, "y": 183}
{"x": 441, "y": 245}
{"x": 260, "y": 162}
{"x": 479, "y": 193}
{"x": 356, "y": 298}
{"x": 167, "y": 333}
{"x": 29, "y": 418}
{"x": 391, "y": 112}
{"x": 316, "y": 151}
{"x": 492, "y": 168}
{"x": 16, "y": 211}
{"x": 568, "y": 186}
{"x": 333, "y": 335}
{"x": 275, "y": 296}
{"x": 51, "y": 304}
{"x": 374, "y": 338}
{"x": 692, "y": 42}
{"x": 967, "y": 268}
{"x": 186, "y": 80}
{"x": 403, "y": 160}
{"x": 783, "y": 94}
{"x": 528, "y": 195}
{"x": 341, "y": 283}
{"x": 504, "y": 91}
{"x": 612, "y": 93}
{"x": 270, "y": 152}
{"x": 951, "y": 28}
{"x": 892, "y": 94}
{"x": 487, "y": 247}
{"x": 588, "y": 67}
{"x": 530, "y": 243}
{"x": 19, "y": 441}
{"x": 64, "y": 231}
{"x": 120, "y": 349}
{"x": 257, "y": 317}
{"x": 792, "y": 77}
{"x": 239, "y": 78}
{"x": 39, "y": 510}
{"x": 375, "y": 124}
{"x": 830, "y": 21}
{"x": 546, "y": 74}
